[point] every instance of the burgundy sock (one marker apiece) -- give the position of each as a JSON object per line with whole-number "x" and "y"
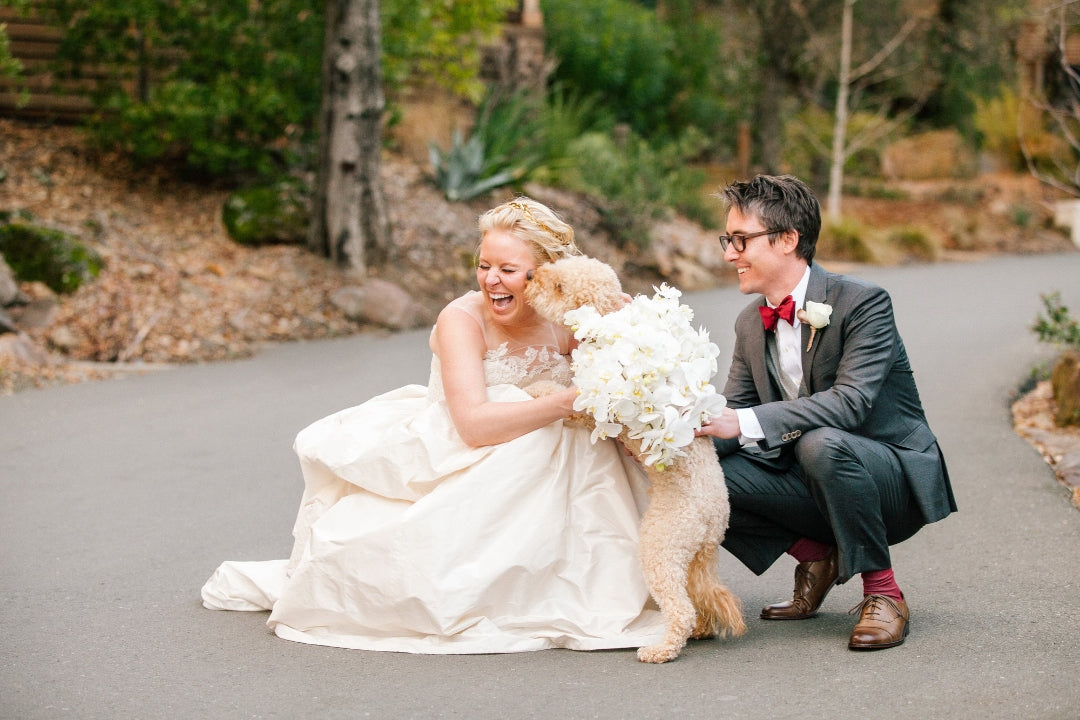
{"x": 807, "y": 550}
{"x": 881, "y": 582}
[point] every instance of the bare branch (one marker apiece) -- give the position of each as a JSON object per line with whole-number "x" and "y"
{"x": 878, "y": 131}
{"x": 889, "y": 48}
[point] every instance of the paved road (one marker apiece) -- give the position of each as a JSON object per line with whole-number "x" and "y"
{"x": 118, "y": 499}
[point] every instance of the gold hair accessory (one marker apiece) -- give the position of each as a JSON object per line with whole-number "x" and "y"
{"x": 525, "y": 210}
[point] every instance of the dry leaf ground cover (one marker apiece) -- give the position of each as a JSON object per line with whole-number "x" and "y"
{"x": 174, "y": 288}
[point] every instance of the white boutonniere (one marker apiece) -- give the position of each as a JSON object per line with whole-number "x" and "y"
{"x": 816, "y": 315}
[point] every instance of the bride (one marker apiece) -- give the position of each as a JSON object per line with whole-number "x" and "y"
{"x": 464, "y": 517}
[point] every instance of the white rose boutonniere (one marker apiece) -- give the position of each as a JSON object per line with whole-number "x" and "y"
{"x": 816, "y": 315}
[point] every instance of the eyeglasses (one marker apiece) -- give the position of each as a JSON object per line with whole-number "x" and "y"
{"x": 738, "y": 240}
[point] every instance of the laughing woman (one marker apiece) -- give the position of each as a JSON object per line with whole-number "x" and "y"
{"x": 464, "y": 516}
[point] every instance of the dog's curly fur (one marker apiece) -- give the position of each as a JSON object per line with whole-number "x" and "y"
{"x": 688, "y": 505}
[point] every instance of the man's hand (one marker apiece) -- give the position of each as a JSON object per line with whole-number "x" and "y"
{"x": 724, "y": 426}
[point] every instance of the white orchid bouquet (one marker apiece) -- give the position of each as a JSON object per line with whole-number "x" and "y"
{"x": 643, "y": 368}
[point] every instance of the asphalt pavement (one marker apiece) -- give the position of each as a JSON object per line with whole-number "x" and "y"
{"x": 118, "y": 498}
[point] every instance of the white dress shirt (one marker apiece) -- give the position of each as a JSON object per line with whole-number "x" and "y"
{"x": 788, "y": 343}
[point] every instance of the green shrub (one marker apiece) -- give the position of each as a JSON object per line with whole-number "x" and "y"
{"x": 808, "y": 143}
{"x": 636, "y": 183}
{"x": 220, "y": 90}
{"x": 617, "y": 49}
{"x": 660, "y": 73}
{"x": 913, "y": 242}
{"x": 50, "y": 256}
{"x": 627, "y": 200}
{"x": 267, "y": 214}
{"x": 233, "y": 89}
{"x": 846, "y": 240}
{"x": 565, "y": 116}
{"x": 995, "y": 123}
{"x": 1057, "y": 326}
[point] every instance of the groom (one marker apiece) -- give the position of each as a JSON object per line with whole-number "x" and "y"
{"x": 825, "y": 447}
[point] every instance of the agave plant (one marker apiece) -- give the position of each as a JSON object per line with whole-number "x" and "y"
{"x": 499, "y": 151}
{"x": 462, "y": 172}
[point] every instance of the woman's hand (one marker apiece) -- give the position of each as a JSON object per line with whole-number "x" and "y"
{"x": 567, "y": 398}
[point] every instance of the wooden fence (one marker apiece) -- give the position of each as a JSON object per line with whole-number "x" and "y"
{"x": 39, "y": 93}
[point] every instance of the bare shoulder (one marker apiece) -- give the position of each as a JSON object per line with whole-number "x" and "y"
{"x": 460, "y": 318}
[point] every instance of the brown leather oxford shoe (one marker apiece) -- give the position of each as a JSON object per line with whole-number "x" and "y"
{"x": 883, "y": 623}
{"x": 813, "y": 581}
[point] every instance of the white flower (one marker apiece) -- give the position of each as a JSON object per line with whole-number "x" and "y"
{"x": 816, "y": 315}
{"x": 644, "y": 369}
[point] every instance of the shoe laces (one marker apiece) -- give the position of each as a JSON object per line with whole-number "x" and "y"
{"x": 872, "y": 605}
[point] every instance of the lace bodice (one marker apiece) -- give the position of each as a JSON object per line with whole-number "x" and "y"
{"x": 532, "y": 364}
{"x": 521, "y": 365}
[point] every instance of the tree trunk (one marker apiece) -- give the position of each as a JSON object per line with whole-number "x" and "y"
{"x": 839, "y": 139}
{"x": 349, "y": 219}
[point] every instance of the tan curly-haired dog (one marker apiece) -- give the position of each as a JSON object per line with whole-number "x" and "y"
{"x": 688, "y": 508}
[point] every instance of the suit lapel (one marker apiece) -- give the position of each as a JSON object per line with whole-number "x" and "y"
{"x": 768, "y": 389}
{"x": 817, "y": 288}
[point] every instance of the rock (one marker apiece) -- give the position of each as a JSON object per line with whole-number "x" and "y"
{"x": 63, "y": 338}
{"x": 19, "y": 347}
{"x": 37, "y": 313}
{"x": 379, "y": 302}
{"x": 9, "y": 287}
{"x": 7, "y": 325}
{"x": 1068, "y": 470}
{"x": 1053, "y": 441}
{"x": 1065, "y": 380}
{"x": 686, "y": 255}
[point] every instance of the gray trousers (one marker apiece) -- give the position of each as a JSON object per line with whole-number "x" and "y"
{"x": 835, "y": 487}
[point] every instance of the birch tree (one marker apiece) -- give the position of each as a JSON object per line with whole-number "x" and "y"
{"x": 849, "y": 78}
{"x": 350, "y": 223}
{"x": 1055, "y": 164}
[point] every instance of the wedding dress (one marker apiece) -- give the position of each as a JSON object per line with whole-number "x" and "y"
{"x": 409, "y": 540}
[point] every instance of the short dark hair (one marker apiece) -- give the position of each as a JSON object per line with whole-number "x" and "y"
{"x": 781, "y": 202}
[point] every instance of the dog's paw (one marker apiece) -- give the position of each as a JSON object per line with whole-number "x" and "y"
{"x": 544, "y": 387}
{"x": 660, "y": 653}
{"x": 704, "y": 632}
{"x": 580, "y": 419}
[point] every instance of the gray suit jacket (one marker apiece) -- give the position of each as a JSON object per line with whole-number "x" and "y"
{"x": 856, "y": 377}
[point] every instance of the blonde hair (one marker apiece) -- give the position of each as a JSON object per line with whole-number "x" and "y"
{"x": 534, "y": 223}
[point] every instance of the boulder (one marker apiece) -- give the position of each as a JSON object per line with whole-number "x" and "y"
{"x": 7, "y": 325}
{"x": 9, "y": 286}
{"x": 378, "y": 302}
{"x": 20, "y": 348}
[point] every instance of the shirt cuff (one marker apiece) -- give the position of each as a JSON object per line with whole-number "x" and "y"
{"x": 749, "y": 427}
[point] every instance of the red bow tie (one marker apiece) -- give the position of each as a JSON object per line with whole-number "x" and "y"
{"x": 770, "y": 316}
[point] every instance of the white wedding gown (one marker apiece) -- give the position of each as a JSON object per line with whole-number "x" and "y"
{"x": 409, "y": 540}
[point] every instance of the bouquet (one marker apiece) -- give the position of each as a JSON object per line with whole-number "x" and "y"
{"x": 644, "y": 369}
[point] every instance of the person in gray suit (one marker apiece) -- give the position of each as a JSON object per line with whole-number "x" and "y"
{"x": 825, "y": 447}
